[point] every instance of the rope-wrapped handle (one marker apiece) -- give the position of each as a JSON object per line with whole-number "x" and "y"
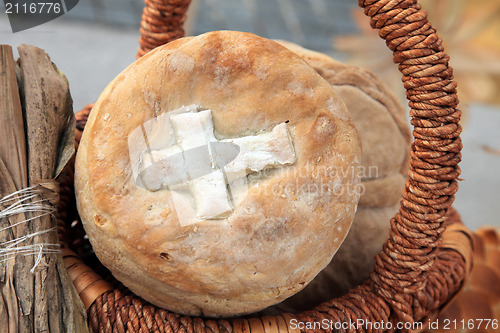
{"x": 415, "y": 273}
{"x": 416, "y": 230}
{"x": 162, "y": 21}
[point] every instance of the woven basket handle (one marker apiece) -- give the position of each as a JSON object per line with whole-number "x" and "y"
{"x": 162, "y": 21}
{"x": 417, "y": 229}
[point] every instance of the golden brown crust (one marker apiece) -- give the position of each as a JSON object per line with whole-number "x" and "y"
{"x": 288, "y": 225}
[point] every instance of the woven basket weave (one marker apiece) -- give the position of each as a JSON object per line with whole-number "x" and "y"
{"x": 428, "y": 255}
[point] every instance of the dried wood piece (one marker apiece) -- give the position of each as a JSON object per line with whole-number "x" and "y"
{"x": 9, "y": 312}
{"x": 37, "y": 294}
{"x": 48, "y": 108}
{"x": 12, "y": 138}
{"x": 13, "y": 177}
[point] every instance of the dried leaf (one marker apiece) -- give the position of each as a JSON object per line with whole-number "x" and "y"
{"x": 67, "y": 146}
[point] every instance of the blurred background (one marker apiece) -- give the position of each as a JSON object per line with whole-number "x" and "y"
{"x": 97, "y": 39}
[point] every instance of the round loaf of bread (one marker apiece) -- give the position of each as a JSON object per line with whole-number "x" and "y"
{"x": 216, "y": 175}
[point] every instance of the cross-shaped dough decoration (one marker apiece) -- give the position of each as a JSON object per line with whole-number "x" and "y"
{"x": 207, "y": 167}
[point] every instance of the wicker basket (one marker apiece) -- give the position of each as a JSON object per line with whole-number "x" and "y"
{"x": 428, "y": 255}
